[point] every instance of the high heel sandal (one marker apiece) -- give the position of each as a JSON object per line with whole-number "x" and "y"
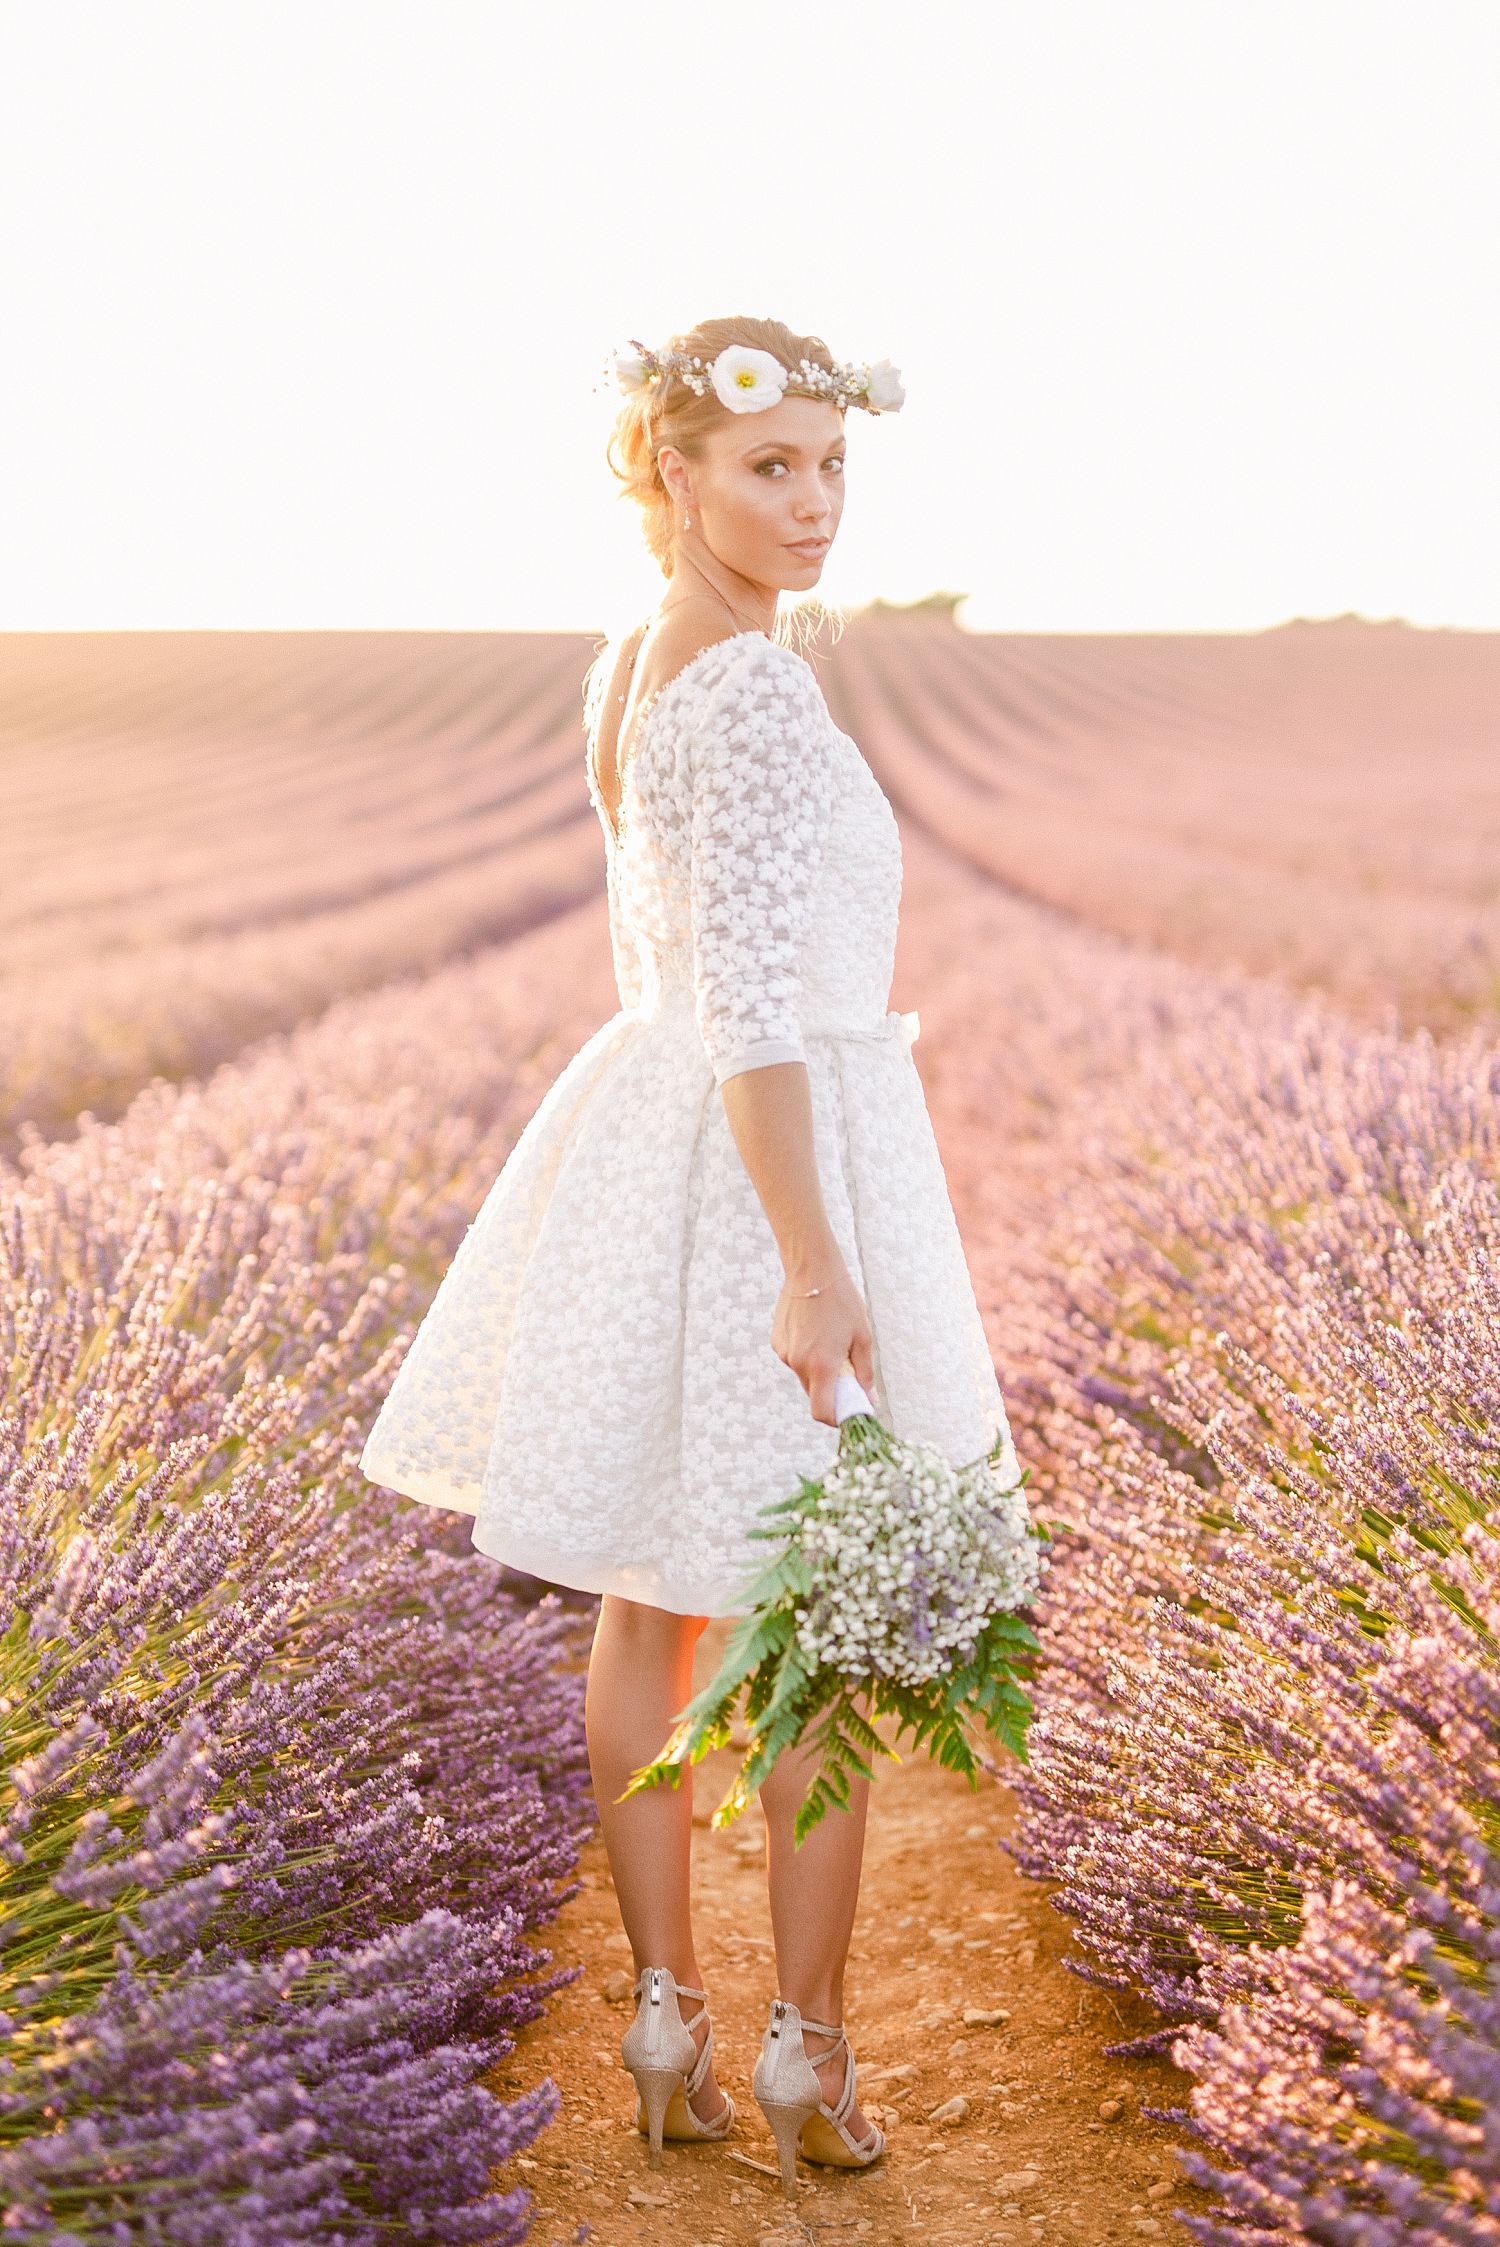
{"x": 662, "y": 2054}
{"x": 791, "y": 2098}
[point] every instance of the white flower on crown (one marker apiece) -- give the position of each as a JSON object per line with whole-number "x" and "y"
{"x": 883, "y": 390}
{"x": 629, "y": 370}
{"x": 746, "y": 380}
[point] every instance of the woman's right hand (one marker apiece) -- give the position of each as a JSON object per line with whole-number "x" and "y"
{"x": 815, "y": 1334}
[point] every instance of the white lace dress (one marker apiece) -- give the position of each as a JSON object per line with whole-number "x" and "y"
{"x": 594, "y": 1380}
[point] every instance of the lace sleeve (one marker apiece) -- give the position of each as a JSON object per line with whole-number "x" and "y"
{"x": 762, "y": 797}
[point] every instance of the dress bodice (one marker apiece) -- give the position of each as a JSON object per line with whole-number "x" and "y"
{"x": 757, "y": 874}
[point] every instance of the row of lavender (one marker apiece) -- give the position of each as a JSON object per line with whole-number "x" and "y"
{"x": 211, "y": 836}
{"x": 1256, "y": 1352}
{"x": 290, "y": 1782}
{"x": 1312, "y": 802}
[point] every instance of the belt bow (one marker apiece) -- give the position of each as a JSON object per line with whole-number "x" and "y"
{"x": 907, "y": 1027}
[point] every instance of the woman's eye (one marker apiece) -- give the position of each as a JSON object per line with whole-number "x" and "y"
{"x": 835, "y": 460}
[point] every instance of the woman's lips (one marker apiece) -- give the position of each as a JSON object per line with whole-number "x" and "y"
{"x": 808, "y": 548}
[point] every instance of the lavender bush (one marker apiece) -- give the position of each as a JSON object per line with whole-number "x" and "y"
{"x": 289, "y": 1778}
{"x": 1261, "y": 1743}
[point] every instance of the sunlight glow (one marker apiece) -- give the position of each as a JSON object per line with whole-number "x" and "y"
{"x": 304, "y": 305}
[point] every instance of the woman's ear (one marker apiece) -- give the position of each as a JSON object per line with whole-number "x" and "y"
{"x": 672, "y": 469}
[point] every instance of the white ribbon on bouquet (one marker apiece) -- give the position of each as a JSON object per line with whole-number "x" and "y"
{"x": 848, "y": 1396}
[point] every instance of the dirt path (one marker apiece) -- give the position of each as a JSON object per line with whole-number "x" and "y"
{"x": 945, "y": 1922}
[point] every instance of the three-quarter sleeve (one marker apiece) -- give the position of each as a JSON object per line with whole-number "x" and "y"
{"x": 762, "y": 799}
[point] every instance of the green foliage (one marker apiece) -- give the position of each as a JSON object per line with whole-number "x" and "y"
{"x": 765, "y": 1681}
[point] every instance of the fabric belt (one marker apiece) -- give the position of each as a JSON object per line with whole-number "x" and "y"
{"x": 892, "y": 1027}
{"x": 907, "y": 1027}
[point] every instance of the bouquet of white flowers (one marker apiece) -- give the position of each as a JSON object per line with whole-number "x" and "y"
{"x": 893, "y": 1594}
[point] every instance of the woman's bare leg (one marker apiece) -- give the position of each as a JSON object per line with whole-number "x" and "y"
{"x": 640, "y": 1677}
{"x": 814, "y": 1897}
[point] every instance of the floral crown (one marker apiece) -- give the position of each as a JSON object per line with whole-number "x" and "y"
{"x": 747, "y": 381}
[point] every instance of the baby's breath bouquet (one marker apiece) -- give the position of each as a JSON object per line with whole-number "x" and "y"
{"x": 892, "y": 1595}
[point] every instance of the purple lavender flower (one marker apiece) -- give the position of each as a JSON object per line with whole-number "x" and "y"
{"x": 291, "y": 1781}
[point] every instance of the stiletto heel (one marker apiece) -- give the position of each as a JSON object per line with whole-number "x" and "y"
{"x": 791, "y": 2098}
{"x": 656, "y": 2086}
{"x": 661, "y": 2054}
{"x": 786, "y": 2128}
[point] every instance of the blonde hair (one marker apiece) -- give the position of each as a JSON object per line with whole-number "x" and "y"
{"x": 669, "y": 413}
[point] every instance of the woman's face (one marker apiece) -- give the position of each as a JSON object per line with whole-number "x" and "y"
{"x": 767, "y": 490}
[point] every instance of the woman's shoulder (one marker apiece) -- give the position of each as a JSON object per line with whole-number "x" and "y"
{"x": 721, "y": 674}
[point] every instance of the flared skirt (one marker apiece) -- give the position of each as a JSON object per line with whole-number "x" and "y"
{"x": 594, "y": 1380}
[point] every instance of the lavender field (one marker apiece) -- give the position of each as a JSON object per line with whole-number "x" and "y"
{"x": 294, "y": 932}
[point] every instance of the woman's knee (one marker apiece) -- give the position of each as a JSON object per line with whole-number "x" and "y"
{"x": 633, "y": 1623}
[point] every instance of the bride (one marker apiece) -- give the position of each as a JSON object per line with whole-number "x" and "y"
{"x": 731, "y": 1193}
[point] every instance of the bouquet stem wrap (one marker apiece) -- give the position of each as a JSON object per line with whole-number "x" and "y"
{"x": 892, "y": 1594}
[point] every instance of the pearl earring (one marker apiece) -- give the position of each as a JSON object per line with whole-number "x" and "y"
{"x": 687, "y": 522}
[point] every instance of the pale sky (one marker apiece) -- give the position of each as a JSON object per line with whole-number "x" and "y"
{"x": 304, "y": 300}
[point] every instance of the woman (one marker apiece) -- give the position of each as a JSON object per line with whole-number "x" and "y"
{"x": 730, "y": 1192}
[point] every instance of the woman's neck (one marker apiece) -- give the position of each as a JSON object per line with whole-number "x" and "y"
{"x": 752, "y": 606}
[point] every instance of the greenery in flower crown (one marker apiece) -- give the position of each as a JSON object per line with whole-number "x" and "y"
{"x": 893, "y": 1595}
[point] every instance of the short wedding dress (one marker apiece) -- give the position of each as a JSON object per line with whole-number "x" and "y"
{"x": 594, "y": 1380}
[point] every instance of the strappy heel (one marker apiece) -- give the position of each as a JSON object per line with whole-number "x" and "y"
{"x": 662, "y": 2055}
{"x": 791, "y": 2098}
